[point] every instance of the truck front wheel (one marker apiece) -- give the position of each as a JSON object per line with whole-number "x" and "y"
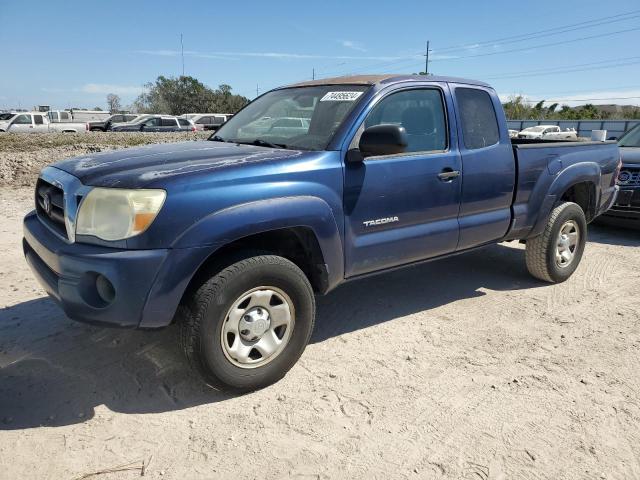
{"x": 248, "y": 324}
{"x": 554, "y": 255}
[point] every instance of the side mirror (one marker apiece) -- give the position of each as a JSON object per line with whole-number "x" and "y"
{"x": 385, "y": 139}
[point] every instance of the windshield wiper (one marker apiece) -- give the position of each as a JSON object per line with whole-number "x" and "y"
{"x": 217, "y": 138}
{"x": 258, "y": 142}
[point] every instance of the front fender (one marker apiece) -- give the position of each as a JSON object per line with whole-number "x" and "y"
{"x": 214, "y": 231}
{"x": 233, "y": 223}
{"x": 584, "y": 172}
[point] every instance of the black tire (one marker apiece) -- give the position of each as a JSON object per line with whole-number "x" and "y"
{"x": 540, "y": 253}
{"x": 204, "y": 313}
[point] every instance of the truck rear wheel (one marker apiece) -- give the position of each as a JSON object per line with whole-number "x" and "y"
{"x": 554, "y": 255}
{"x": 248, "y": 324}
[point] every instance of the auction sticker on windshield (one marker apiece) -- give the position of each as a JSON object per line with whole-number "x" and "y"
{"x": 340, "y": 96}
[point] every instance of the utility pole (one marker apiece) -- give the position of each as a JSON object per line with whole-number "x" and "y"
{"x": 426, "y": 63}
{"x": 182, "y": 53}
{"x": 313, "y": 74}
{"x": 257, "y": 90}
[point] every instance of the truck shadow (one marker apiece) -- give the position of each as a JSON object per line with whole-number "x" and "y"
{"x": 614, "y": 235}
{"x": 54, "y": 371}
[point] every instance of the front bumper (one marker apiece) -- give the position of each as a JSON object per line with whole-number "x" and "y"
{"x": 626, "y": 209}
{"x": 69, "y": 273}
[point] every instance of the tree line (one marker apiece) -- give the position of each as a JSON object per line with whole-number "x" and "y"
{"x": 517, "y": 108}
{"x": 184, "y": 94}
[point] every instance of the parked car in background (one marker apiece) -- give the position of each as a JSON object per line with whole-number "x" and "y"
{"x": 207, "y": 121}
{"x": 156, "y": 123}
{"x": 38, "y": 122}
{"x": 285, "y": 127}
{"x": 103, "y": 126}
{"x": 551, "y": 132}
{"x": 7, "y": 116}
{"x": 232, "y": 238}
{"x": 626, "y": 209}
{"x": 558, "y": 134}
{"x": 67, "y": 116}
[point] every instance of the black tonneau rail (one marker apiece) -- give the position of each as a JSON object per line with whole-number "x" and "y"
{"x": 538, "y": 143}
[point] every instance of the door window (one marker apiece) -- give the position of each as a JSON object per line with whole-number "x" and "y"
{"x": 420, "y": 112}
{"x": 479, "y": 122}
{"x": 168, "y": 122}
{"x": 37, "y": 119}
{"x": 184, "y": 122}
{"x": 22, "y": 120}
{"x": 152, "y": 122}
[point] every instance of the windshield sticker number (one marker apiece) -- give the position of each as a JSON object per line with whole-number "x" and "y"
{"x": 340, "y": 96}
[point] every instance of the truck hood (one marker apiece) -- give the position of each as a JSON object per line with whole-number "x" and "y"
{"x": 630, "y": 154}
{"x": 155, "y": 164}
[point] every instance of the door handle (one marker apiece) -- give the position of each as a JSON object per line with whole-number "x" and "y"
{"x": 447, "y": 175}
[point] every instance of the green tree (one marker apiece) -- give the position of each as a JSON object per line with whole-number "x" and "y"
{"x": 186, "y": 94}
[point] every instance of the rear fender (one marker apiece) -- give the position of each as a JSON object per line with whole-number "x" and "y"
{"x": 585, "y": 172}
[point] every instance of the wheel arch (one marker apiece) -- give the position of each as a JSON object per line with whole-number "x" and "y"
{"x": 301, "y": 229}
{"x": 581, "y": 182}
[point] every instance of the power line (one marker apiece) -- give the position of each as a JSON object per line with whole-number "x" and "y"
{"x": 519, "y": 38}
{"x": 559, "y": 100}
{"x": 547, "y": 32}
{"x": 570, "y": 68}
{"x": 182, "y": 53}
{"x": 522, "y": 49}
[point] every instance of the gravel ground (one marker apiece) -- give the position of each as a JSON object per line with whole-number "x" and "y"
{"x": 23, "y": 156}
{"x": 463, "y": 368}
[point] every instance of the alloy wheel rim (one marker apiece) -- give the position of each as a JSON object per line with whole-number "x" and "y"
{"x": 567, "y": 244}
{"x": 257, "y": 327}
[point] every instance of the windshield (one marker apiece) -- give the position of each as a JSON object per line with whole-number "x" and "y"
{"x": 631, "y": 138}
{"x": 304, "y": 118}
{"x": 6, "y": 116}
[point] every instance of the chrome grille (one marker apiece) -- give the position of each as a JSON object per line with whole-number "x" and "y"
{"x": 58, "y": 195}
{"x": 50, "y": 206}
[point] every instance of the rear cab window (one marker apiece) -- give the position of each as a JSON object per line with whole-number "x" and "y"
{"x": 478, "y": 118}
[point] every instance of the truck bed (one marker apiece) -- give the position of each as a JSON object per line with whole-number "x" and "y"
{"x": 541, "y": 163}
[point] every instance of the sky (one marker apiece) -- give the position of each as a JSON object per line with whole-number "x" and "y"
{"x": 73, "y": 53}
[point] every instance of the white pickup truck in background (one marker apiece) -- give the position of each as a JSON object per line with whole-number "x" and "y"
{"x": 73, "y": 115}
{"x": 38, "y": 122}
{"x": 548, "y": 132}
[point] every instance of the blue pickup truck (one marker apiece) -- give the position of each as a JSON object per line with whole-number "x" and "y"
{"x": 233, "y": 237}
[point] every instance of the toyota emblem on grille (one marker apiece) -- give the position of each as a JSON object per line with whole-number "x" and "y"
{"x": 46, "y": 203}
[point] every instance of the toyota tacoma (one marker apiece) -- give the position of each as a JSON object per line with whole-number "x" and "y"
{"x": 233, "y": 237}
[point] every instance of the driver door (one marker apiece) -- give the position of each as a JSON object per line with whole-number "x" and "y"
{"x": 22, "y": 124}
{"x": 404, "y": 208}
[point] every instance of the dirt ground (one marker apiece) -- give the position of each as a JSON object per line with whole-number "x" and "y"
{"x": 461, "y": 368}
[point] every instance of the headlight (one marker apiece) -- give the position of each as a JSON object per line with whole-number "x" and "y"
{"x": 116, "y": 214}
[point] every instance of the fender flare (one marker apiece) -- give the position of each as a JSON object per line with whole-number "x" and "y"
{"x": 584, "y": 172}
{"x": 196, "y": 245}
{"x": 233, "y": 223}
